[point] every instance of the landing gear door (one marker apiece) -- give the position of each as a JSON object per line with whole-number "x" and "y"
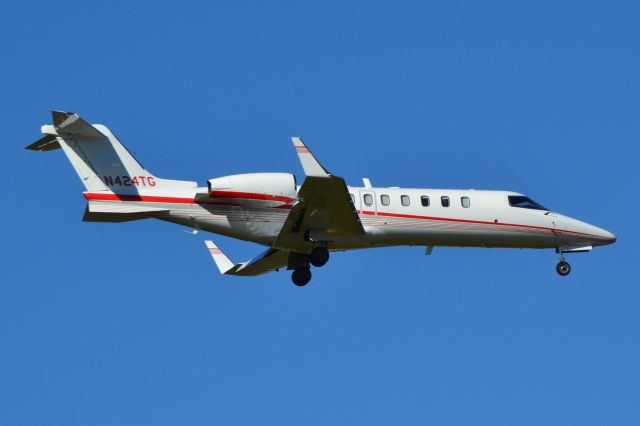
{"x": 368, "y": 202}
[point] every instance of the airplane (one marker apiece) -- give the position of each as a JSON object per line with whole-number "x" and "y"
{"x": 300, "y": 225}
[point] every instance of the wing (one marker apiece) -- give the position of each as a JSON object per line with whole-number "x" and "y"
{"x": 268, "y": 261}
{"x": 324, "y": 210}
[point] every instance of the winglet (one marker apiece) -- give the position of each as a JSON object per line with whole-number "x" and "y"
{"x": 222, "y": 261}
{"x": 310, "y": 165}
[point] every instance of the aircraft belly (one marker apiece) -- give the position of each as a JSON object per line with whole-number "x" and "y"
{"x": 259, "y": 226}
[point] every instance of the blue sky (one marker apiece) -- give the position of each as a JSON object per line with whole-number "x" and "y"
{"x": 104, "y": 324}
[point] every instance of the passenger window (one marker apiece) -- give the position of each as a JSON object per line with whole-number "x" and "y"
{"x": 385, "y": 200}
{"x": 466, "y": 202}
{"x": 353, "y": 198}
{"x": 368, "y": 199}
{"x": 445, "y": 201}
{"x": 405, "y": 200}
{"x": 425, "y": 201}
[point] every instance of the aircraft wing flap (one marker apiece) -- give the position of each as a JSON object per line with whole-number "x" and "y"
{"x": 324, "y": 209}
{"x": 329, "y": 207}
{"x": 268, "y": 261}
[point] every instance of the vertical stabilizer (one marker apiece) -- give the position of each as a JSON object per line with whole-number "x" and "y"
{"x": 101, "y": 161}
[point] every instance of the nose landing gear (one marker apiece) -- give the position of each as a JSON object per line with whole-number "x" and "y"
{"x": 563, "y": 268}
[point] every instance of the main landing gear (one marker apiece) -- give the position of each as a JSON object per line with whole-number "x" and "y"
{"x": 301, "y": 275}
{"x": 319, "y": 256}
{"x": 563, "y": 268}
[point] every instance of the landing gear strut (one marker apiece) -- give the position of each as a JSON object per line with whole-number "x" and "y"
{"x": 319, "y": 256}
{"x": 301, "y": 276}
{"x": 563, "y": 268}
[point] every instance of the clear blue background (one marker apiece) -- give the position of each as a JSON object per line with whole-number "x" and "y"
{"x": 108, "y": 324}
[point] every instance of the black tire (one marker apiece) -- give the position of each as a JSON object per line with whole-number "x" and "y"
{"x": 563, "y": 268}
{"x": 319, "y": 256}
{"x": 301, "y": 276}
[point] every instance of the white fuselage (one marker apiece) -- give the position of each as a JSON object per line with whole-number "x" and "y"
{"x": 301, "y": 224}
{"x": 390, "y": 216}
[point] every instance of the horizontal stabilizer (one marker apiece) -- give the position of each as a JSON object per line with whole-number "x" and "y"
{"x": 69, "y": 124}
{"x": 65, "y": 125}
{"x": 101, "y": 161}
{"x": 45, "y": 143}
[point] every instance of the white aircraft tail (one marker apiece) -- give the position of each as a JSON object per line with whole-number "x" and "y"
{"x": 101, "y": 161}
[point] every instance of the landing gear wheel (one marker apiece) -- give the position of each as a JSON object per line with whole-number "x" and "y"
{"x": 563, "y": 268}
{"x": 301, "y": 276}
{"x": 319, "y": 256}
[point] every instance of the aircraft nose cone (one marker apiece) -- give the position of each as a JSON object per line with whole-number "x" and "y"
{"x": 604, "y": 237}
{"x": 609, "y": 237}
{"x": 592, "y": 234}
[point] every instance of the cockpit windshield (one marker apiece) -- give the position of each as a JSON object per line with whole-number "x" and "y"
{"x": 524, "y": 202}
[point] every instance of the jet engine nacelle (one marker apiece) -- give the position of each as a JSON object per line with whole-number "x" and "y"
{"x": 255, "y": 189}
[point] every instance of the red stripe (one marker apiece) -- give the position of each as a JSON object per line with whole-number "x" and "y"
{"x": 179, "y": 200}
{"x": 152, "y": 199}
{"x": 250, "y": 196}
{"x": 302, "y": 149}
{"x": 480, "y": 222}
{"x": 145, "y": 198}
{"x": 215, "y": 251}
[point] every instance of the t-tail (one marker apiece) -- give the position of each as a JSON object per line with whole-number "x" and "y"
{"x": 106, "y": 168}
